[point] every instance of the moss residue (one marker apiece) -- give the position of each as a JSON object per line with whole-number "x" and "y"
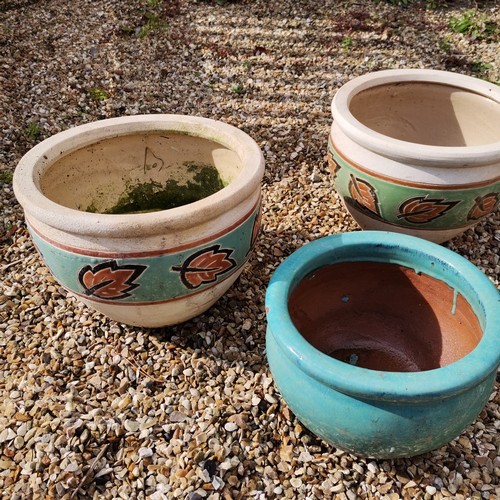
{"x": 153, "y": 196}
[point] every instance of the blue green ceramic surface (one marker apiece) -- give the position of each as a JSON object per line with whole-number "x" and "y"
{"x": 374, "y": 413}
{"x": 410, "y": 205}
{"x": 150, "y": 277}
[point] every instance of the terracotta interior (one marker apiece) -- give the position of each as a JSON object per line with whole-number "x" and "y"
{"x": 383, "y": 317}
{"x": 429, "y": 113}
{"x": 99, "y": 173}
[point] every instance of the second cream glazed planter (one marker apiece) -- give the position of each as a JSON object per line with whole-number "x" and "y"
{"x": 140, "y": 267}
{"x": 417, "y": 151}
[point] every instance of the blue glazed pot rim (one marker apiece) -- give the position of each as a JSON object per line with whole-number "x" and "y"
{"x": 409, "y": 251}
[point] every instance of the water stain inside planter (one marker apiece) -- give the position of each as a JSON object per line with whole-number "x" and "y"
{"x": 153, "y": 196}
{"x": 383, "y": 317}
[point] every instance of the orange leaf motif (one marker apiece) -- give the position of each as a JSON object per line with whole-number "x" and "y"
{"x": 421, "y": 209}
{"x": 483, "y": 206}
{"x": 364, "y": 194}
{"x": 110, "y": 281}
{"x": 205, "y": 266}
{"x": 333, "y": 165}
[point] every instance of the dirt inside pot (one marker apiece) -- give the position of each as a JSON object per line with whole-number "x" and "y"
{"x": 383, "y": 317}
{"x": 153, "y": 195}
{"x": 428, "y": 113}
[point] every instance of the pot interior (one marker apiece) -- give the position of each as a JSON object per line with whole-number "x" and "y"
{"x": 140, "y": 172}
{"x": 428, "y": 113}
{"x": 383, "y": 317}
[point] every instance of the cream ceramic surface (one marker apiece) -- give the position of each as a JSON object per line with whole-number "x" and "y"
{"x": 429, "y": 114}
{"x": 146, "y": 269}
{"x": 417, "y": 151}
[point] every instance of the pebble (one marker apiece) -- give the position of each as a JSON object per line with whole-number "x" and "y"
{"x": 7, "y": 435}
{"x": 178, "y": 416}
{"x": 256, "y": 400}
{"x": 431, "y": 490}
{"x": 131, "y": 425}
{"x": 191, "y": 411}
{"x": 145, "y": 452}
{"x": 270, "y": 399}
{"x": 18, "y": 442}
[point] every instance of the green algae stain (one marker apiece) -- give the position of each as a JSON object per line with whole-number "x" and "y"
{"x": 153, "y": 196}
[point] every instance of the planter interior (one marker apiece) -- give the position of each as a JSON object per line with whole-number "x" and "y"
{"x": 140, "y": 172}
{"x": 428, "y": 113}
{"x": 383, "y": 317}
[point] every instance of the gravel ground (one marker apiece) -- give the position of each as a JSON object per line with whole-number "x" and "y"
{"x": 94, "y": 409}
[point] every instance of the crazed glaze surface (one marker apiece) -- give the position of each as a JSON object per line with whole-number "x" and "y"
{"x": 383, "y": 317}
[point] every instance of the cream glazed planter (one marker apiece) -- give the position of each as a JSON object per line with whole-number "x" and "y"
{"x": 417, "y": 151}
{"x": 146, "y": 269}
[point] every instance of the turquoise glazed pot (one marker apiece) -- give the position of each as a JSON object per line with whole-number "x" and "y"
{"x": 429, "y": 393}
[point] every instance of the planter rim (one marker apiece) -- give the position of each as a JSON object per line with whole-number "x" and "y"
{"x": 409, "y": 251}
{"x": 44, "y": 154}
{"x": 439, "y": 156}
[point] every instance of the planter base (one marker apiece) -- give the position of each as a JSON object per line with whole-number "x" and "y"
{"x": 436, "y": 236}
{"x": 168, "y": 313}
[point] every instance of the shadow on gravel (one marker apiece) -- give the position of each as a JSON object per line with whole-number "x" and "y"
{"x": 19, "y": 4}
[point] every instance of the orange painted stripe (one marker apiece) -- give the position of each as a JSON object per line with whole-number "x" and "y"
{"x": 152, "y": 253}
{"x": 439, "y": 187}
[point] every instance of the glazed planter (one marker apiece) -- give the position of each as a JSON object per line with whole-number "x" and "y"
{"x": 147, "y": 219}
{"x": 383, "y": 344}
{"x": 417, "y": 151}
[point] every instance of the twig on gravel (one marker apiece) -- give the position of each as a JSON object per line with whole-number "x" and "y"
{"x": 137, "y": 367}
{"x": 91, "y": 468}
{"x": 10, "y": 264}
